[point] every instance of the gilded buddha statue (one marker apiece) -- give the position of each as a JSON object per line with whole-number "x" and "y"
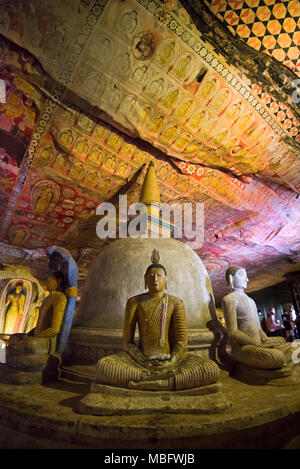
{"x": 35, "y": 357}
{"x": 250, "y": 345}
{"x": 160, "y": 361}
{"x": 43, "y": 337}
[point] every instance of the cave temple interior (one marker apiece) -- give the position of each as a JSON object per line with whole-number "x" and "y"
{"x": 92, "y": 91}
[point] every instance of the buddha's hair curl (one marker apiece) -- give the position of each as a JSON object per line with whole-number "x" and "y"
{"x": 155, "y": 266}
{"x": 232, "y": 270}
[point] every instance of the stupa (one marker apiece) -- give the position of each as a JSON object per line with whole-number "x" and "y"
{"x": 117, "y": 274}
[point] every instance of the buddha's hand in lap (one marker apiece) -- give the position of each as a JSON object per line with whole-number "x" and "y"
{"x": 273, "y": 342}
{"x": 267, "y": 345}
{"x": 164, "y": 365}
{"x": 137, "y": 355}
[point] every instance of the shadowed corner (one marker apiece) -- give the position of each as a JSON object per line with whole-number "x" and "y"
{"x": 217, "y": 351}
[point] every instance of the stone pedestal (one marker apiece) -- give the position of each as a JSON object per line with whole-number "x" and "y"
{"x": 108, "y": 400}
{"x": 287, "y": 375}
{"x": 30, "y": 368}
{"x": 47, "y": 417}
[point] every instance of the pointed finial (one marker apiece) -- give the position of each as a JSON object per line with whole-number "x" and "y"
{"x": 155, "y": 256}
{"x": 150, "y": 193}
{"x": 155, "y": 262}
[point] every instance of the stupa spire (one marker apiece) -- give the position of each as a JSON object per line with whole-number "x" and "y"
{"x": 150, "y": 193}
{"x": 150, "y": 197}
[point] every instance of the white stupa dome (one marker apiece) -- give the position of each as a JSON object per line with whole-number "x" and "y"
{"x": 117, "y": 274}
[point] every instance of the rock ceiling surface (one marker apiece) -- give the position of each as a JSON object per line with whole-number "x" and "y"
{"x": 97, "y": 89}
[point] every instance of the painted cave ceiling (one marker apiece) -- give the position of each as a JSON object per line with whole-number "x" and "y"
{"x": 95, "y": 89}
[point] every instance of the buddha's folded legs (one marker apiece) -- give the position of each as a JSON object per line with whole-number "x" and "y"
{"x": 276, "y": 341}
{"x": 193, "y": 372}
{"x": 281, "y": 344}
{"x": 119, "y": 369}
{"x": 261, "y": 357}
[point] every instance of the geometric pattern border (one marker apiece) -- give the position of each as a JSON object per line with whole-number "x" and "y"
{"x": 268, "y": 26}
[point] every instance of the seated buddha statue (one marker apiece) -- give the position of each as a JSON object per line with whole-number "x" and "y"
{"x": 33, "y": 358}
{"x": 43, "y": 337}
{"x": 250, "y": 345}
{"x": 160, "y": 361}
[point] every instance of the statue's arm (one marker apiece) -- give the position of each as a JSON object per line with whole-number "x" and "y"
{"x": 263, "y": 335}
{"x": 270, "y": 342}
{"x": 59, "y": 307}
{"x": 180, "y": 333}
{"x": 130, "y": 321}
{"x": 229, "y": 310}
{"x": 8, "y": 300}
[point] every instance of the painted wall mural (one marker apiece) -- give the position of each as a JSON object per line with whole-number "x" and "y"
{"x": 132, "y": 82}
{"x": 20, "y": 297}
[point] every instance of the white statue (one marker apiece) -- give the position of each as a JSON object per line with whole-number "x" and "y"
{"x": 250, "y": 345}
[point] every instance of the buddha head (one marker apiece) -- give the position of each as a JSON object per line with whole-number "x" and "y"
{"x": 236, "y": 277}
{"x": 156, "y": 275}
{"x": 55, "y": 281}
{"x": 18, "y": 287}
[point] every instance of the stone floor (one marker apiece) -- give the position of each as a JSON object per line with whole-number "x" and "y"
{"x": 35, "y": 416}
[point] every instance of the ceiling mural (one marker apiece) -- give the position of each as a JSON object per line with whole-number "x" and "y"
{"x": 268, "y": 26}
{"x": 95, "y": 90}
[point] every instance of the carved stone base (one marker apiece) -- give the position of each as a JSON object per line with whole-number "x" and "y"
{"x": 26, "y": 361}
{"x": 10, "y": 375}
{"x": 52, "y": 371}
{"x": 32, "y": 369}
{"x": 108, "y": 400}
{"x": 257, "y": 376}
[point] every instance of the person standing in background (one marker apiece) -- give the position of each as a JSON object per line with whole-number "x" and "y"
{"x": 274, "y": 328}
{"x": 288, "y": 329}
{"x": 294, "y": 322}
